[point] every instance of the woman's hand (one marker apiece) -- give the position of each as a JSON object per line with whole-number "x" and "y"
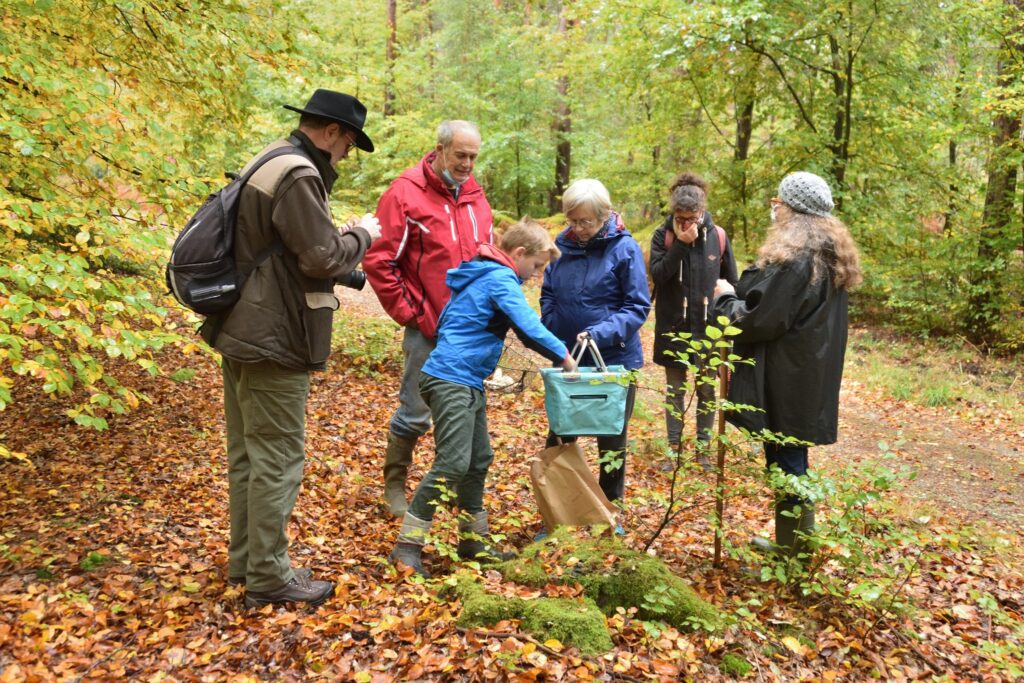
{"x": 582, "y": 337}
{"x": 569, "y": 365}
{"x": 723, "y": 287}
{"x": 688, "y": 234}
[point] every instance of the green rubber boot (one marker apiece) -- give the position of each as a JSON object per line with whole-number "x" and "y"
{"x": 791, "y": 531}
{"x": 397, "y": 459}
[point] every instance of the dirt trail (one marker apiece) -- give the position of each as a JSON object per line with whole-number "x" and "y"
{"x": 960, "y": 467}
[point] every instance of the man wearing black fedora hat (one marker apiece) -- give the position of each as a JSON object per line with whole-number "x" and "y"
{"x": 280, "y": 331}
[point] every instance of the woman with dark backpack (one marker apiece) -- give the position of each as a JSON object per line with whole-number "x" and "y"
{"x": 689, "y": 253}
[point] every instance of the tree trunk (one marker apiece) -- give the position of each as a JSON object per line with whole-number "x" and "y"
{"x": 1000, "y": 193}
{"x": 954, "y": 190}
{"x": 562, "y": 128}
{"x": 744, "y": 131}
{"x": 842, "y": 90}
{"x": 389, "y": 82}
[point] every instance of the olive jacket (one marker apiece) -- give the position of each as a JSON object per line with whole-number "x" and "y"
{"x": 286, "y": 306}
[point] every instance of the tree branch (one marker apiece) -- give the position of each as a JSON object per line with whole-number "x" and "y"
{"x": 782, "y": 74}
{"x": 700, "y": 98}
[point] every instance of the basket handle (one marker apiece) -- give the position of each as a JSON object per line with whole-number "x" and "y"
{"x": 580, "y": 348}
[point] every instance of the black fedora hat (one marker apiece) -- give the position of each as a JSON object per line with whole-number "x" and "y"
{"x": 337, "y": 106}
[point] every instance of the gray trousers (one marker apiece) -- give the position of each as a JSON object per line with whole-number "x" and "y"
{"x": 675, "y": 379}
{"x": 412, "y": 419}
{"x": 462, "y": 448}
{"x": 265, "y": 410}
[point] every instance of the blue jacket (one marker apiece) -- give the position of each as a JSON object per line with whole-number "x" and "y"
{"x": 487, "y": 300}
{"x": 600, "y": 287}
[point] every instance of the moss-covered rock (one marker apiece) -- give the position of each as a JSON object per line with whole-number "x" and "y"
{"x": 576, "y": 622}
{"x": 734, "y": 665}
{"x": 614, "y": 575}
{"x": 611, "y": 574}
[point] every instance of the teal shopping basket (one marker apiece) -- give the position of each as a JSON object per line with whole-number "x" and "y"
{"x": 588, "y": 402}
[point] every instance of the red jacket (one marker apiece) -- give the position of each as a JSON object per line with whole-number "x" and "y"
{"x": 424, "y": 232}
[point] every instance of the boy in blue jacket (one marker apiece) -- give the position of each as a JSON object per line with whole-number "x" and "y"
{"x": 487, "y": 300}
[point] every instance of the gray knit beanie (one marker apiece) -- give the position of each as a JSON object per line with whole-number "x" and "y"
{"x": 806, "y": 193}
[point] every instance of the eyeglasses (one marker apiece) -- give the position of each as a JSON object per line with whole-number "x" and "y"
{"x": 774, "y": 201}
{"x": 692, "y": 220}
{"x": 586, "y": 224}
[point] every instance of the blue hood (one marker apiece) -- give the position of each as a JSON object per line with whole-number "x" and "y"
{"x": 487, "y": 260}
{"x": 487, "y": 301}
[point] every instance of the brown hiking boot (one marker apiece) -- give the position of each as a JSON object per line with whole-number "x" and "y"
{"x": 299, "y": 589}
{"x": 299, "y": 571}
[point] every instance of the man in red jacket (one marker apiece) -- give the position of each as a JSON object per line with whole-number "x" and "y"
{"x": 432, "y": 218}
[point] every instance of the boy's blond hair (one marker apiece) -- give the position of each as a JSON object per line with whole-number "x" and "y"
{"x": 530, "y": 235}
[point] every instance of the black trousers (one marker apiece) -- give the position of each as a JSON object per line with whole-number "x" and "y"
{"x": 613, "y": 483}
{"x": 789, "y": 459}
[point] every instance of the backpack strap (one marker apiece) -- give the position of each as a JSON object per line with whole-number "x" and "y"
{"x": 276, "y": 247}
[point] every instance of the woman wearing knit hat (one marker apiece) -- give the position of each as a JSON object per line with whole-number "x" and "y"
{"x": 791, "y": 306}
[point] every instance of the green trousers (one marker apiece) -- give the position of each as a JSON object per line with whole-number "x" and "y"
{"x": 462, "y": 448}
{"x": 265, "y": 409}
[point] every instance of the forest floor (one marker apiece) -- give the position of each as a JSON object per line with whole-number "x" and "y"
{"x": 113, "y": 544}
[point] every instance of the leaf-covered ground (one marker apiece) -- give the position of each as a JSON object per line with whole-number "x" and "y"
{"x": 113, "y": 551}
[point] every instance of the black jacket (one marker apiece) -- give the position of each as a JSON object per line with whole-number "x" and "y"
{"x": 796, "y": 333}
{"x": 686, "y": 274}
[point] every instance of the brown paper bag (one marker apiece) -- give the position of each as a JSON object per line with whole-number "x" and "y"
{"x": 566, "y": 491}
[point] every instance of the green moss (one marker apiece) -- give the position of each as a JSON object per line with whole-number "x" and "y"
{"x": 576, "y": 622}
{"x": 734, "y": 665}
{"x": 480, "y": 608}
{"x": 614, "y": 576}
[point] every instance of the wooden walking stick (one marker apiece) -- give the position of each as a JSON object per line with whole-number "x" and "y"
{"x": 723, "y": 393}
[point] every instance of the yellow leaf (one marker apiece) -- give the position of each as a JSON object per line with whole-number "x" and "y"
{"x": 528, "y": 648}
{"x": 794, "y": 645}
{"x": 553, "y": 644}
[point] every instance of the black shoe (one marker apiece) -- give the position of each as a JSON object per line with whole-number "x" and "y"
{"x": 299, "y": 571}
{"x": 298, "y": 590}
{"x": 482, "y": 552}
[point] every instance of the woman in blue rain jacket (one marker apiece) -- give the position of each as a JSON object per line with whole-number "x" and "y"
{"x": 598, "y": 288}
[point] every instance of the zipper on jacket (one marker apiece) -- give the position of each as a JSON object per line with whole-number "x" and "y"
{"x": 451, "y": 221}
{"x": 472, "y": 219}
